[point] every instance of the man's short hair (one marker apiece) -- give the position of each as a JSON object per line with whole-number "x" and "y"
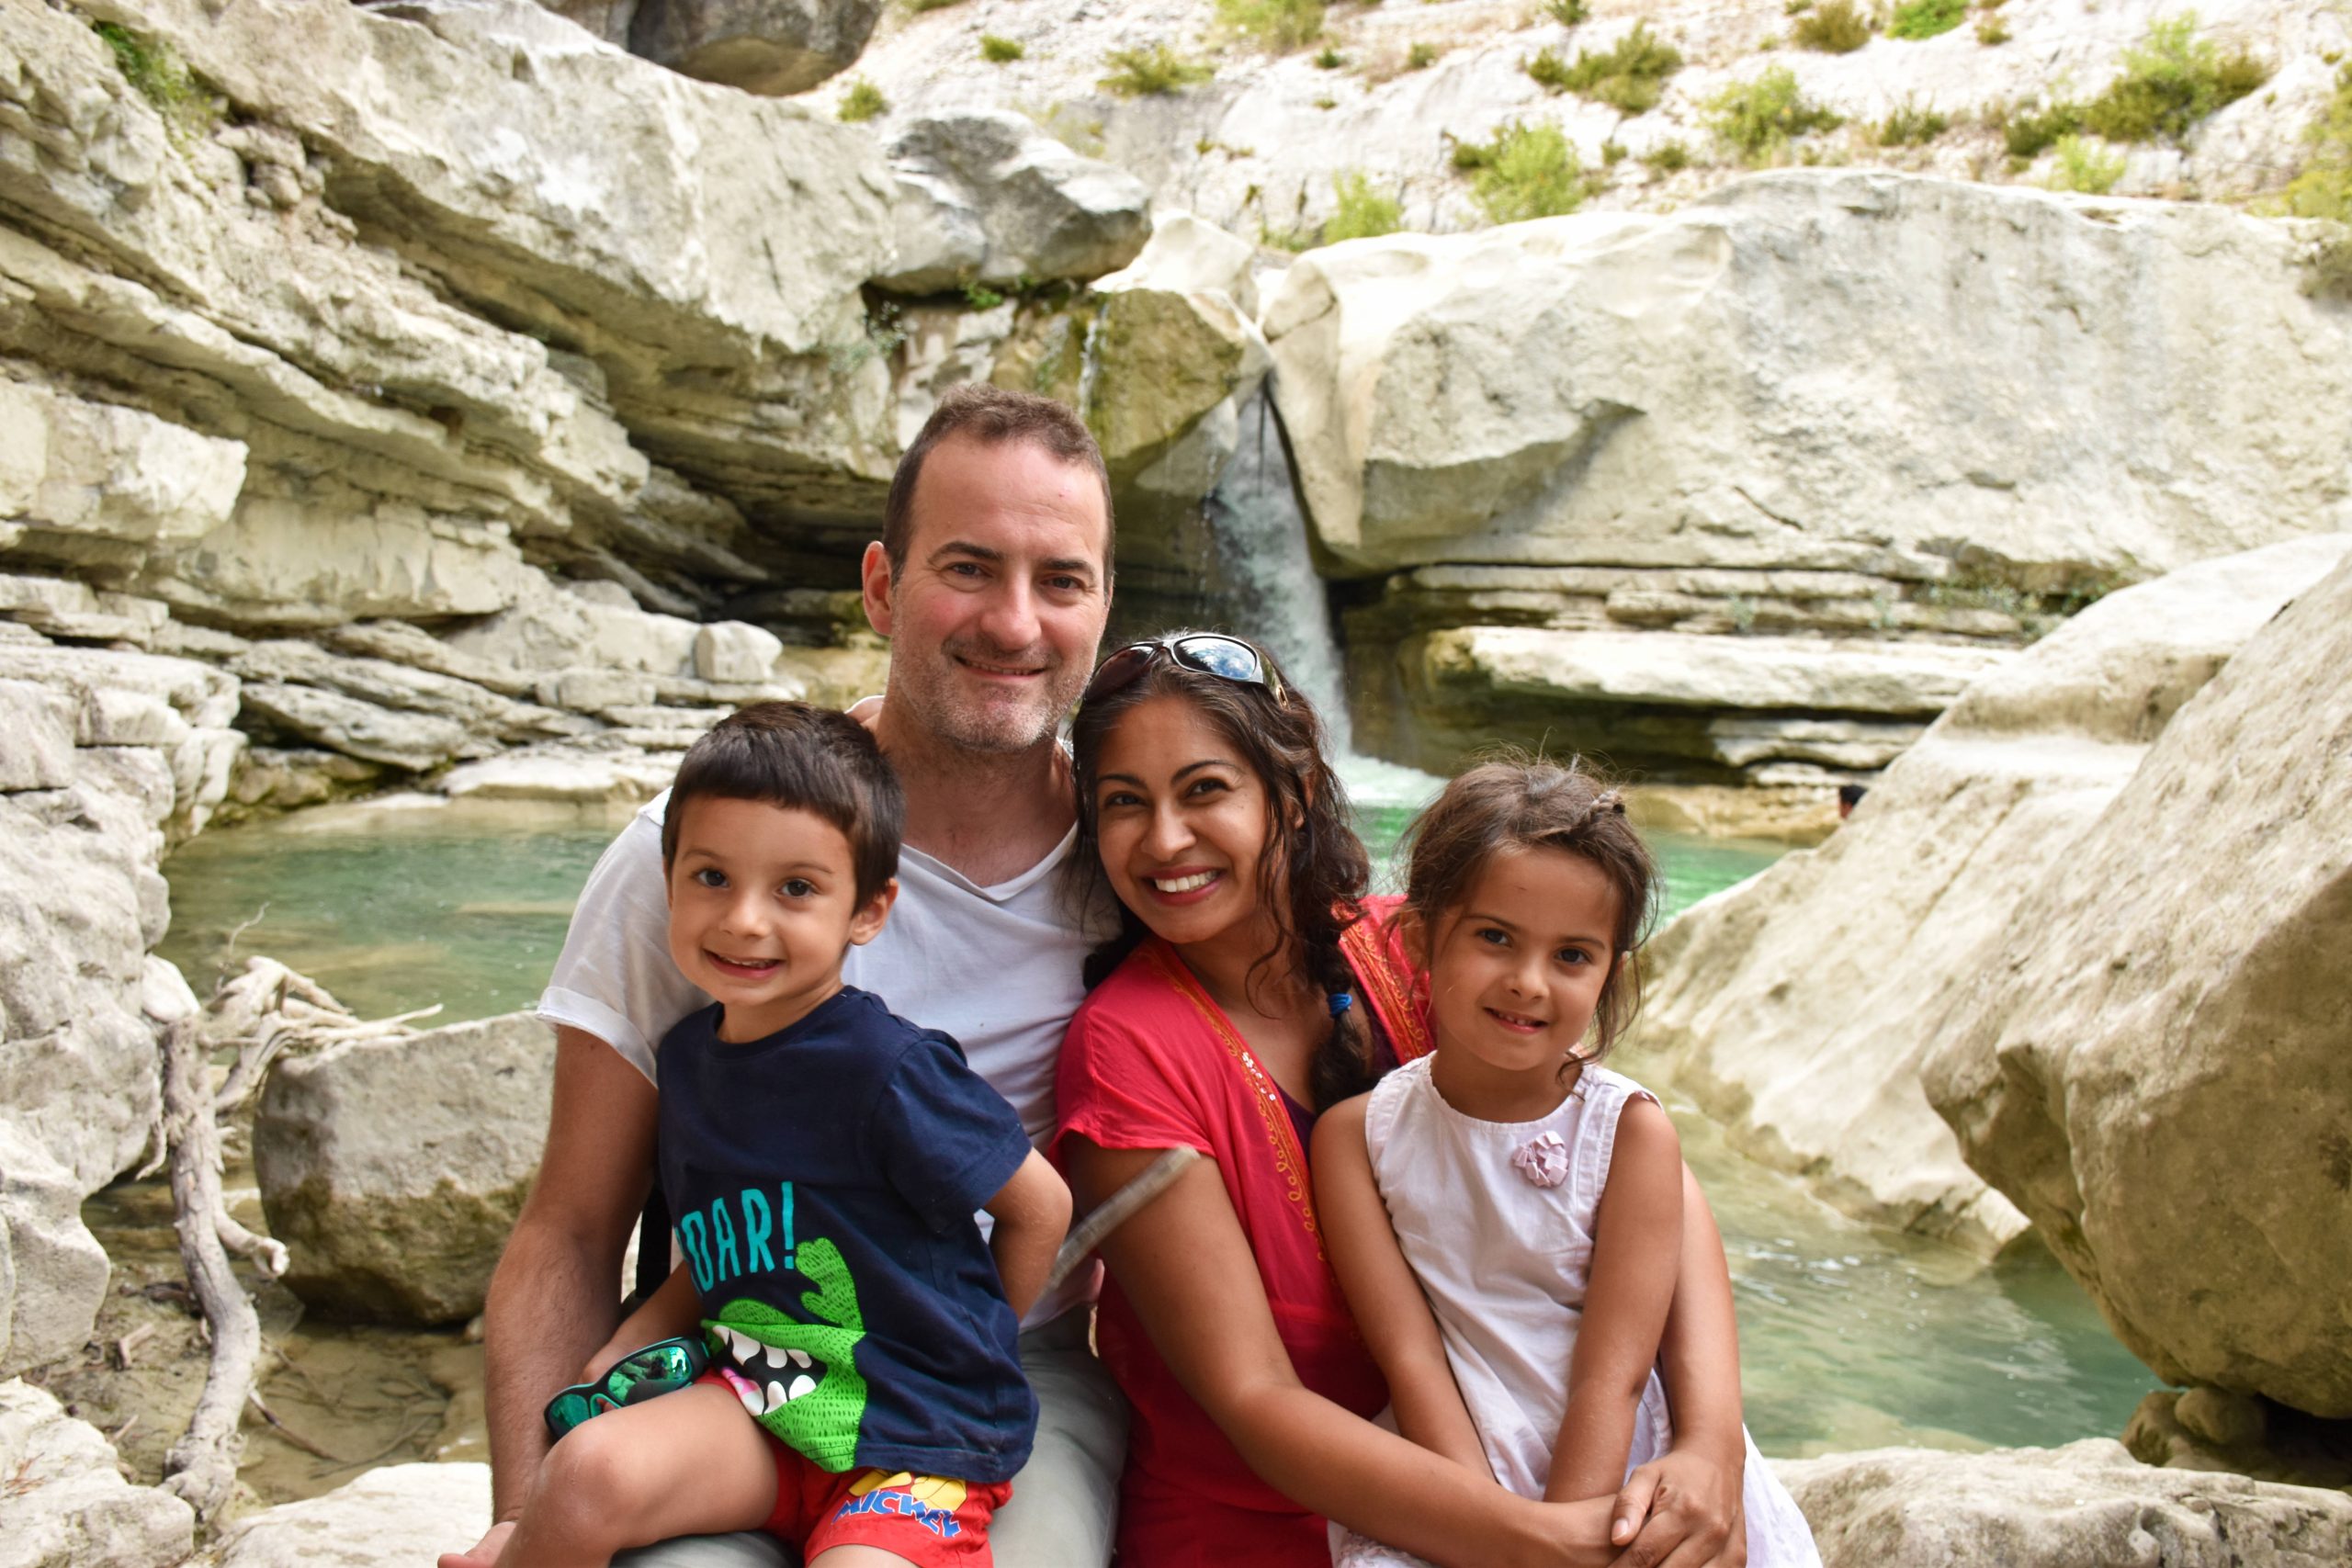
{"x": 991, "y": 415}
{"x": 804, "y": 758}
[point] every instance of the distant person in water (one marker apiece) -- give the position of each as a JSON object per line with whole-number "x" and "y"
{"x": 992, "y": 581}
{"x": 1505, "y": 1213}
{"x": 864, "y": 1400}
{"x": 1849, "y": 795}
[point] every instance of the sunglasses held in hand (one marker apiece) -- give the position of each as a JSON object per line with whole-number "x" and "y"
{"x": 640, "y": 1375}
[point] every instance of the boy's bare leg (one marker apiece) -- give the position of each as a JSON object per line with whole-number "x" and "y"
{"x": 687, "y": 1463}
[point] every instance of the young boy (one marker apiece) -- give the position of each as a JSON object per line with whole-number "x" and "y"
{"x": 824, "y": 1159}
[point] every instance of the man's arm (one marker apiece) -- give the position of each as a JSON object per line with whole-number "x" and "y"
{"x": 556, "y": 1296}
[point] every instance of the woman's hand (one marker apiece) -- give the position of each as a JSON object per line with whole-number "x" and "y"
{"x": 1682, "y": 1510}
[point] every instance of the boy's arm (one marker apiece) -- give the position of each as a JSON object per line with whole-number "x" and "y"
{"x": 673, "y": 1312}
{"x": 1636, "y": 1254}
{"x": 1389, "y": 1308}
{"x": 1032, "y": 1215}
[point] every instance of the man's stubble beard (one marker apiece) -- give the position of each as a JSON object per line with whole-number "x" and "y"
{"x": 987, "y": 729}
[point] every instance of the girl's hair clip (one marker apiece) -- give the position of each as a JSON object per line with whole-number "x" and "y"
{"x": 1341, "y": 1002}
{"x": 1610, "y": 800}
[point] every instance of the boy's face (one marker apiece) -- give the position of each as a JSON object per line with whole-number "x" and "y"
{"x": 763, "y": 905}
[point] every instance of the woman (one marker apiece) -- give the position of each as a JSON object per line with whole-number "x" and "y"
{"x": 1251, "y": 985}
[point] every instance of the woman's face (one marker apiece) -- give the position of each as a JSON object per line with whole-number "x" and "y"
{"x": 1181, "y": 821}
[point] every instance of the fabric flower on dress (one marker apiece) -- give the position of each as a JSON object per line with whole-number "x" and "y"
{"x": 1543, "y": 1160}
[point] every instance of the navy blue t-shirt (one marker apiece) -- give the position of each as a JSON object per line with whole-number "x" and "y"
{"x": 824, "y": 1181}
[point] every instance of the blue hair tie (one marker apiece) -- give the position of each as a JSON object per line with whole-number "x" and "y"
{"x": 1341, "y": 1002}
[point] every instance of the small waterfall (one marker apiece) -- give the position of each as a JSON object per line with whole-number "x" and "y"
{"x": 1278, "y": 599}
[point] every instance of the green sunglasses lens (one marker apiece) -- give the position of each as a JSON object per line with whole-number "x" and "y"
{"x": 569, "y": 1409}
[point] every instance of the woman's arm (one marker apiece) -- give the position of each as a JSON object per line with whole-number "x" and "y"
{"x": 1693, "y": 1494}
{"x": 1636, "y": 1256}
{"x": 1389, "y": 1308}
{"x": 1032, "y": 1215}
{"x": 1186, "y": 1268}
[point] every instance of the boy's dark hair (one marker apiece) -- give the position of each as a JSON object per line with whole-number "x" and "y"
{"x": 1849, "y": 795}
{"x": 991, "y": 415}
{"x": 806, "y": 759}
{"x": 1518, "y": 802}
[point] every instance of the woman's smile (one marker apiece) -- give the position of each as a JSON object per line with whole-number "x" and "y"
{"x": 1183, "y": 824}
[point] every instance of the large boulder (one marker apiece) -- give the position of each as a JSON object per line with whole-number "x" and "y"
{"x": 1798, "y": 1006}
{"x": 987, "y": 197}
{"x": 402, "y": 1513}
{"x": 65, "y": 1506}
{"x": 2087, "y": 1503}
{"x": 769, "y": 47}
{"x": 392, "y": 1170}
{"x": 2152, "y": 1061}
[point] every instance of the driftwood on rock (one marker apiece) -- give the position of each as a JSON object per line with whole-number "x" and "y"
{"x": 259, "y": 1014}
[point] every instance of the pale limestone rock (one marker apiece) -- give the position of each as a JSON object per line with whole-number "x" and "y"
{"x": 64, "y": 608}
{"x": 1797, "y": 1008}
{"x": 38, "y": 722}
{"x": 594, "y": 691}
{"x": 66, "y": 1506}
{"x": 1677, "y": 416}
{"x": 1041, "y": 211}
{"x": 373, "y": 733}
{"x": 392, "y": 1170}
{"x": 2151, "y": 1063}
{"x": 944, "y": 346}
{"x": 769, "y": 47}
{"x": 402, "y": 1513}
{"x": 567, "y": 774}
{"x": 551, "y": 626}
{"x": 113, "y": 471}
{"x": 1187, "y": 255}
{"x": 283, "y": 563}
{"x": 735, "y": 653}
{"x": 52, "y": 1271}
{"x": 2086, "y": 1502}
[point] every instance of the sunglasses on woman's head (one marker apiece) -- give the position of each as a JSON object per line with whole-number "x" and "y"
{"x": 1209, "y": 653}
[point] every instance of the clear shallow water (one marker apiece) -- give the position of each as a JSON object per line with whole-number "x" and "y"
{"x": 1852, "y": 1337}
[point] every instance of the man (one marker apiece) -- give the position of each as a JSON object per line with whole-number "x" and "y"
{"x": 992, "y": 581}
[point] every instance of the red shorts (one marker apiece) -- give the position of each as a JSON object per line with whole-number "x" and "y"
{"x": 930, "y": 1521}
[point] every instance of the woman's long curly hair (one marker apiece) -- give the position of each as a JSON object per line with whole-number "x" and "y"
{"x": 1314, "y": 873}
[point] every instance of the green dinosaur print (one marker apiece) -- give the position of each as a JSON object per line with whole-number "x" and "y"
{"x": 805, "y": 1384}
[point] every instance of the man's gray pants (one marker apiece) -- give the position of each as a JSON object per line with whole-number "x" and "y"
{"x": 1065, "y": 1502}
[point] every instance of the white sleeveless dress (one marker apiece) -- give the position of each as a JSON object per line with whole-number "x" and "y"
{"x": 1505, "y": 1264}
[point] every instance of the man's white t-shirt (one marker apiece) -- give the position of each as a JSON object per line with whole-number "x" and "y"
{"x": 998, "y": 968}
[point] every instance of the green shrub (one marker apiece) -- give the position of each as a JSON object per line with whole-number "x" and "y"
{"x": 1613, "y": 153}
{"x": 1001, "y": 50}
{"x": 1926, "y": 18}
{"x": 1568, "y": 13}
{"x": 2028, "y": 133}
{"x": 1668, "y": 157}
{"x": 2171, "y": 80}
{"x": 2085, "y": 166}
{"x": 863, "y": 101}
{"x": 1329, "y": 59}
{"x": 980, "y": 297}
{"x": 1628, "y": 78}
{"x": 1363, "y": 212}
{"x": 1420, "y": 57}
{"x": 1992, "y": 31}
{"x": 1276, "y": 24}
{"x": 1910, "y": 126}
{"x": 2323, "y": 187}
{"x": 1834, "y": 27}
{"x": 2331, "y": 267}
{"x": 920, "y": 5}
{"x": 1527, "y": 171}
{"x": 1759, "y": 118}
{"x": 156, "y": 74}
{"x": 1144, "y": 72}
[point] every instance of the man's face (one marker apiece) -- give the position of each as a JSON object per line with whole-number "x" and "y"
{"x": 994, "y": 620}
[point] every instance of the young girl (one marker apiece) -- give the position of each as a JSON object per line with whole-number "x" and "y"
{"x": 1505, "y": 1214}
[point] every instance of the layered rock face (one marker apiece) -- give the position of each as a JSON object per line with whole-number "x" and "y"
{"x": 1607, "y": 476}
{"x": 2152, "y": 1065}
{"x": 2088, "y": 1502}
{"x": 1799, "y": 1006}
{"x": 402, "y": 1513}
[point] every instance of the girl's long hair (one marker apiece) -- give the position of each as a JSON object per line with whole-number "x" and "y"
{"x": 1312, "y": 873}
